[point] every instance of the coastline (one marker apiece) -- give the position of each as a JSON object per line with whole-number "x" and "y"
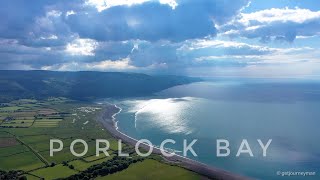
{"x": 108, "y": 120}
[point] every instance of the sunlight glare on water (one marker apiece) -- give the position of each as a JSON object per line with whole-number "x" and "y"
{"x": 167, "y": 115}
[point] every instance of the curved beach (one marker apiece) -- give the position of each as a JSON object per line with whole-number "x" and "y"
{"x": 107, "y": 118}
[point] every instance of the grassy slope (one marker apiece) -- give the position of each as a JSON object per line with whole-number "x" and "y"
{"x": 82, "y": 85}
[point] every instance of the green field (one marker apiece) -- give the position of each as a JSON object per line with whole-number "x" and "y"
{"x": 12, "y": 150}
{"x": 22, "y": 161}
{"x": 83, "y": 165}
{"x": 21, "y": 121}
{"x": 151, "y": 169}
{"x": 30, "y": 124}
{"x": 35, "y": 139}
{"x": 18, "y": 125}
{"x": 43, "y": 124}
{"x": 58, "y": 171}
{"x": 10, "y": 109}
{"x": 4, "y": 134}
{"x": 31, "y": 177}
{"x": 101, "y": 156}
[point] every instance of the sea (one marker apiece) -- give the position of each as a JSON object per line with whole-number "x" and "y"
{"x": 287, "y": 111}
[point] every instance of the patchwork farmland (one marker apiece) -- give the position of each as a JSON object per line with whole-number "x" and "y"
{"x": 27, "y": 125}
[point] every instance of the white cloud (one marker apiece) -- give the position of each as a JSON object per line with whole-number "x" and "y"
{"x": 105, "y": 65}
{"x": 133, "y": 22}
{"x": 101, "y": 5}
{"x": 123, "y": 64}
{"x": 215, "y": 43}
{"x": 306, "y": 37}
{"x": 172, "y": 3}
{"x": 50, "y": 37}
{"x": 135, "y": 47}
{"x": 53, "y": 13}
{"x": 212, "y": 43}
{"x": 227, "y": 57}
{"x": 280, "y": 56}
{"x": 47, "y": 22}
{"x": 84, "y": 47}
{"x": 230, "y": 32}
{"x": 105, "y": 4}
{"x": 221, "y": 53}
{"x": 68, "y": 13}
{"x": 274, "y": 24}
{"x": 278, "y": 15}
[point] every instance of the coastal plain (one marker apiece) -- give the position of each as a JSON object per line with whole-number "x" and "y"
{"x": 27, "y": 125}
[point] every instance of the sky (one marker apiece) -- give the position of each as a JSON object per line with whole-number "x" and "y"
{"x": 207, "y": 38}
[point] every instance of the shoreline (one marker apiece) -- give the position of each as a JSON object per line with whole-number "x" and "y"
{"x": 108, "y": 120}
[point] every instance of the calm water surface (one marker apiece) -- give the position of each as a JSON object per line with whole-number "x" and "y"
{"x": 286, "y": 112}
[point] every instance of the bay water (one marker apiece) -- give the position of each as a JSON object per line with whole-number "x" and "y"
{"x": 288, "y": 112}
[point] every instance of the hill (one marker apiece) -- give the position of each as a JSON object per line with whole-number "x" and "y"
{"x": 82, "y": 85}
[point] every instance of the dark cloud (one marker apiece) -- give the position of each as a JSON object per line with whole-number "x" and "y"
{"x": 155, "y": 53}
{"x": 28, "y": 21}
{"x": 35, "y": 23}
{"x": 149, "y": 21}
{"x": 150, "y": 34}
{"x": 153, "y": 21}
